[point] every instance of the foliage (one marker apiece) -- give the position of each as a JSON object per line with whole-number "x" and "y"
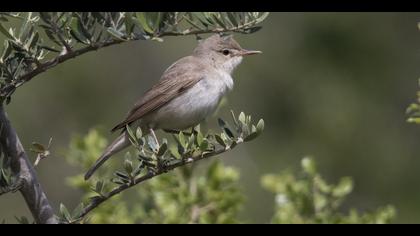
{"x": 211, "y": 194}
{"x": 43, "y": 40}
{"x": 152, "y": 157}
{"x": 414, "y": 110}
{"x": 178, "y": 197}
{"x": 309, "y": 199}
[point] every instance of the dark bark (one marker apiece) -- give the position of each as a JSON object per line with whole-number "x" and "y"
{"x": 24, "y": 173}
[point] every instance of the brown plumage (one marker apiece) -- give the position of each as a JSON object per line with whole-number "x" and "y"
{"x": 186, "y": 74}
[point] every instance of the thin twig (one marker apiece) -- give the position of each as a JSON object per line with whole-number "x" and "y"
{"x": 42, "y": 67}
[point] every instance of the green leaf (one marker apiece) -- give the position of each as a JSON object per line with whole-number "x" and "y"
{"x": 252, "y": 29}
{"x": 253, "y": 129}
{"x": 199, "y": 138}
{"x": 263, "y": 17}
{"x": 242, "y": 118}
{"x": 225, "y": 127}
{"x": 99, "y": 186}
{"x": 197, "y": 26}
{"x": 251, "y": 136}
{"x": 80, "y": 38}
{"x": 128, "y": 166}
{"x": 6, "y": 32}
{"x": 204, "y": 145}
{"x": 82, "y": 29}
{"x": 220, "y": 140}
{"x": 229, "y": 132}
{"x": 344, "y": 187}
{"x": 157, "y": 22}
{"x": 64, "y": 212}
{"x": 77, "y": 211}
{"x": 232, "y": 18}
{"x": 233, "y": 145}
{"x": 162, "y": 149}
{"x": 219, "y": 21}
{"x": 411, "y": 108}
{"x": 128, "y": 21}
{"x": 34, "y": 40}
{"x": 131, "y": 136}
{"x": 22, "y": 220}
{"x": 6, "y": 50}
{"x": 151, "y": 142}
{"x": 52, "y": 37}
{"x": 181, "y": 139}
{"x": 4, "y": 178}
{"x": 143, "y": 22}
{"x": 118, "y": 181}
{"x": 50, "y": 49}
{"x": 202, "y": 18}
{"x": 414, "y": 120}
{"x": 117, "y": 34}
{"x": 45, "y": 16}
{"x": 139, "y": 133}
{"x": 221, "y": 123}
{"x": 25, "y": 26}
{"x": 260, "y": 126}
{"x": 235, "y": 121}
{"x": 121, "y": 175}
{"x": 37, "y": 147}
{"x": 309, "y": 166}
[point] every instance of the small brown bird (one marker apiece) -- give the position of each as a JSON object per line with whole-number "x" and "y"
{"x": 188, "y": 92}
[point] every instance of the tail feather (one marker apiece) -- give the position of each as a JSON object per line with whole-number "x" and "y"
{"x": 116, "y": 146}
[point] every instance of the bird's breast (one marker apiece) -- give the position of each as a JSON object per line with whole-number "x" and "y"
{"x": 194, "y": 105}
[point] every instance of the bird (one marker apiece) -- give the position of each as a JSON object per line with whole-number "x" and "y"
{"x": 187, "y": 93}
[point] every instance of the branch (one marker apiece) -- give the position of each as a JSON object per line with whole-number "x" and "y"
{"x": 96, "y": 202}
{"x": 4, "y": 92}
{"x": 206, "y": 31}
{"x": 25, "y": 174}
{"x": 8, "y": 89}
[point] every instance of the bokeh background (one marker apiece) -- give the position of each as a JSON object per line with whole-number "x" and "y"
{"x": 334, "y": 86}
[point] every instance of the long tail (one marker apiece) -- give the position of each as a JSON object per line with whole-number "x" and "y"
{"x": 119, "y": 144}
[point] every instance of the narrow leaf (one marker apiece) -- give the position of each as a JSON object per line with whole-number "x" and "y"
{"x": 250, "y": 137}
{"x": 260, "y": 126}
{"x": 64, "y": 212}
{"x": 115, "y": 33}
{"x": 77, "y": 211}
{"x": 143, "y": 22}
{"x": 128, "y": 166}
{"x": 220, "y": 140}
{"x": 5, "y": 32}
{"x": 99, "y": 187}
{"x": 162, "y": 149}
{"x": 38, "y": 147}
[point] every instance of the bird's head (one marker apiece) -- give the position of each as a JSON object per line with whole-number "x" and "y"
{"x": 222, "y": 51}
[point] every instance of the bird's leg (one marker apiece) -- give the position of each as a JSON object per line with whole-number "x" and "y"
{"x": 154, "y": 136}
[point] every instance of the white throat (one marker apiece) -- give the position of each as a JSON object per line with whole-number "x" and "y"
{"x": 231, "y": 64}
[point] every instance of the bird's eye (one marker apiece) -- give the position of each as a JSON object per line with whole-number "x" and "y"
{"x": 226, "y": 52}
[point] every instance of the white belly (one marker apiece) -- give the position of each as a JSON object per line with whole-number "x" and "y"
{"x": 192, "y": 107}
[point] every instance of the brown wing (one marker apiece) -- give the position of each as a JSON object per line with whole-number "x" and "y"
{"x": 178, "y": 78}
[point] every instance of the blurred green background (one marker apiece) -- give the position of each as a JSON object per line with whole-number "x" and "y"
{"x": 331, "y": 85}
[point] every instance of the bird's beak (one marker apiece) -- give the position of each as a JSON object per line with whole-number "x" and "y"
{"x": 245, "y": 52}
